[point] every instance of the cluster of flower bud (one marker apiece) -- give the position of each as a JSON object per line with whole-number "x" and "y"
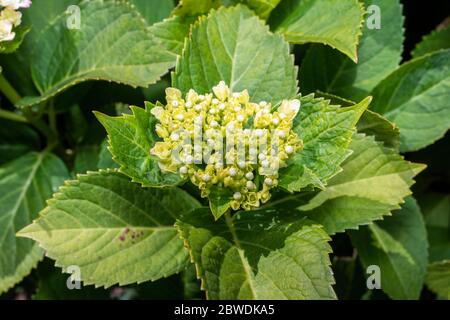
{"x": 221, "y": 139}
{"x": 10, "y": 17}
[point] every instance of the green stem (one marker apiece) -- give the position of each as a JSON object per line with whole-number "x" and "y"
{"x": 8, "y": 90}
{"x": 52, "y": 117}
{"x": 12, "y": 116}
{"x": 230, "y": 224}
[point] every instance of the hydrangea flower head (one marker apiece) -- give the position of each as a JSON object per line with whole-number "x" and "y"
{"x": 223, "y": 139}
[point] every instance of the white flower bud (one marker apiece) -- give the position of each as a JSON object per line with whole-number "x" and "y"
{"x": 259, "y": 133}
{"x": 237, "y": 196}
{"x": 198, "y": 120}
{"x": 232, "y": 172}
{"x": 268, "y": 182}
{"x": 289, "y": 149}
{"x": 183, "y": 170}
{"x": 249, "y": 176}
{"x": 189, "y": 159}
{"x": 265, "y": 163}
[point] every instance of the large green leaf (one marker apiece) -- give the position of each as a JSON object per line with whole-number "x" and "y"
{"x": 114, "y": 230}
{"x": 436, "y": 210}
{"x": 195, "y": 7}
{"x": 172, "y": 32}
{"x": 153, "y": 11}
{"x": 17, "y": 65}
{"x": 233, "y": 45}
{"x": 436, "y": 40}
{"x": 373, "y": 124}
{"x": 16, "y": 139}
{"x": 415, "y": 97}
{"x": 326, "y": 131}
{"x": 398, "y": 245}
{"x": 260, "y": 255}
{"x": 336, "y": 23}
{"x": 130, "y": 138}
{"x": 438, "y": 278}
{"x": 374, "y": 181}
{"x": 370, "y": 123}
{"x": 25, "y": 184}
{"x": 113, "y": 43}
{"x": 262, "y": 7}
{"x": 379, "y": 54}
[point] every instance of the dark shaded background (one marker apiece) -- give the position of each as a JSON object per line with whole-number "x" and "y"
{"x": 421, "y": 17}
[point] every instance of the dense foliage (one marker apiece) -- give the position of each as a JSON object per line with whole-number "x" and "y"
{"x": 94, "y": 93}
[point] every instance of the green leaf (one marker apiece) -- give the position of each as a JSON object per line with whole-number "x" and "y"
{"x": 373, "y": 124}
{"x": 16, "y": 139}
{"x": 259, "y": 255}
{"x": 245, "y": 56}
{"x": 11, "y": 46}
{"x": 370, "y": 123}
{"x": 436, "y": 40}
{"x": 438, "y": 278}
{"x": 436, "y": 210}
{"x": 398, "y": 245}
{"x": 198, "y": 7}
{"x": 415, "y": 97}
{"x": 220, "y": 200}
{"x": 263, "y": 8}
{"x": 153, "y": 11}
{"x": 114, "y": 230}
{"x": 25, "y": 184}
{"x": 374, "y": 181}
{"x": 17, "y": 66}
{"x": 336, "y": 23}
{"x": 86, "y": 159}
{"x": 172, "y": 32}
{"x": 379, "y": 53}
{"x": 123, "y": 51}
{"x": 130, "y": 139}
{"x": 326, "y": 131}
{"x": 195, "y": 7}
{"x": 105, "y": 160}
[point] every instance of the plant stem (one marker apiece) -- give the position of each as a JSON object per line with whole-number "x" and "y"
{"x": 7, "y": 89}
{"x": 12, "y": 116}
{"x": 230, "y": 224}
{"x": 52, "y": 117}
